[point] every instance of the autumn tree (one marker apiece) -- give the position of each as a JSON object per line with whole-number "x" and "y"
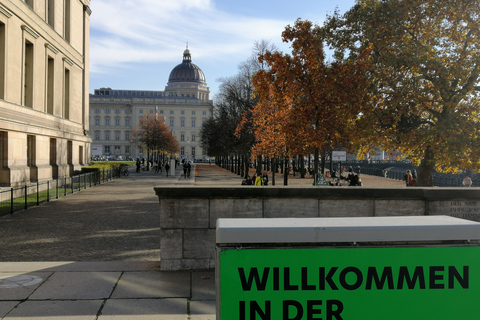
{"x": 305, "y": 103}
{"x": 154, "y": 135}
{"x": 219, "y": 135}
{"x": 425, "y": 63}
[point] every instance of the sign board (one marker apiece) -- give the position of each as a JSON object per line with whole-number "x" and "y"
{"x": 339, "y": 155}
{"x": 394, "y": 283}
{"x": 321, "y": 181}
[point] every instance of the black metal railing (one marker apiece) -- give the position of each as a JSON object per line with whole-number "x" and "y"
{"x": 21, "y": 198}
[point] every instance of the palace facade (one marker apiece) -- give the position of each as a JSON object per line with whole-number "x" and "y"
{"x": 184, "y": 106}
{"x": 44, "y": 59}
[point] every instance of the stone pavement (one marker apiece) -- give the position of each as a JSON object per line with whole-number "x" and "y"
{"x": 95, "y": 254}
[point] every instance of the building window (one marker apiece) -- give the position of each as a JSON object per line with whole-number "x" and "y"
{"x": 80, "y": 154}
{"x": 204, "y": 113}
{"x": 182, "y": 137}
{"x": 66, "y": 97}
{"x": 70, "y": 152}
{"x": 97, "y": 122}
{"x": 171, "y": 111}
{"x": 193, "y": 123}
{"x": 107, "y": 111}
{"x": 127, "y": 149}
{"x": 182, "y": 151}
{"x": 107, "y": 149}
{"x": 127, "y": 136}
{"x": 193, "y": 138}
{"x": 107, "y": 122}
{"x": 97, "y": 135}
{"x": 182, "y": 112}
{"x": 161, "y": 111}
{"x": 117, "y": 122}
{"x": 3, "y": 151}
{"x": 193, "y": 152}
{"x": 140, "y": 111}
{"x": 28, "y": 75}
{"x": 51, "y": 13}
{"x": 127, "y": 122}
{"x": 117, "y": 136}
{"x": 67, "y": 20}
{"x": 182, "y": 123}
{"x": 171, "y": 123}
{"x": 107, "y": 135}
{"x": 2, "y": 60}
{"x": 117, "y": 111}
{"x": 127, "y": 111}
{"x": 193, "y": 112}
{"x": 50, "y": 83}
{"x": 117, "y": 149}
{"x": 97, "y": 110}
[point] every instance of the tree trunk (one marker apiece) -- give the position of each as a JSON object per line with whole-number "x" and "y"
{"x": 286, "y": 171}
{"x": 259, "y": 165}
{"x": 274, "y": 169}
{"x": 302, "y": 167}
{"x": 425, "y": 171}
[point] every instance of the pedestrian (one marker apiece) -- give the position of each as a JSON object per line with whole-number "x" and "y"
{"x": 414, "y": 174}
{"x": 467, "y": 182}
{"x": 408, "y": 178}
{"x": 167, "y": 167}
{"x": 249, "y": 181}
{"x": 259, "y": 180}
{"x": 185, "y": 169}
{"x": 155, "y": 166}
{"x": 265, "y": 179}
{"x": 138, "y": 163}
{"x": 160, "y": 166}
{"x": 189, "y": 168}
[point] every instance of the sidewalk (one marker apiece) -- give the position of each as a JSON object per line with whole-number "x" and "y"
{"x": 95, "y": 254}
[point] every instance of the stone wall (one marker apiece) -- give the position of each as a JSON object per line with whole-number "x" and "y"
{"x": 188, "y": 215}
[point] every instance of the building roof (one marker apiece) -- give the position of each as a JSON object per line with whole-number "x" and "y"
{"x": 186, "y": 71}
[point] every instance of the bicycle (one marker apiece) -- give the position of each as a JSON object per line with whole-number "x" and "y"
{"x": 124, "y": 170}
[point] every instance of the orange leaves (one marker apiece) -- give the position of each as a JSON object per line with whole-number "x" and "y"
{"x": 305, "y": 103}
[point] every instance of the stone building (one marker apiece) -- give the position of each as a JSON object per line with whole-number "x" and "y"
{"x": 44, "y": 59}
{"x": 184, "y": 106}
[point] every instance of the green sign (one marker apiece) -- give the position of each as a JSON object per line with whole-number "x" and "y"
{"x": 350, "y": 283}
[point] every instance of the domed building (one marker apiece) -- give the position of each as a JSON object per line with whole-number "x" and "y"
{"x": 184, "y": 105}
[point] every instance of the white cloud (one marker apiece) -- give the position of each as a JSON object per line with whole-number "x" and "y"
{"x": 126, "y": 31}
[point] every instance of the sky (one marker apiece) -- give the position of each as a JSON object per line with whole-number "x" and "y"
{"x": 135, "y": 44}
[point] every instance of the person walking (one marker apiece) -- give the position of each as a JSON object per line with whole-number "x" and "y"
{"x": 138, "y": 163}
{"x": 408, "y": 178}
{"x": 167, "y": 168}
{"x": 265, "y": 179}
{"x": 259, "y": 180}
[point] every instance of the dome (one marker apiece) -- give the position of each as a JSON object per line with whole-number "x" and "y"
{"x": 187, "y": 71}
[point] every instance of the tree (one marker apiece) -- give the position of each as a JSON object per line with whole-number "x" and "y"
{"x": 425, "y": 63}
{"x": 305, "y": 103}
{"x": 154, "y": 135}
{"x": 219, "y": 136}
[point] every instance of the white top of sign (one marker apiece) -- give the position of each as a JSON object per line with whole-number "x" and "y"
{"x": 358, "y": 229}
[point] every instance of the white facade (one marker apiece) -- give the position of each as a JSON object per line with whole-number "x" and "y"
{"x": 44, "y": 60}
{"x": 184, "y": 106}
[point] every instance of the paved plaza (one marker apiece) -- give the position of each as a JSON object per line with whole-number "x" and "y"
{"x": 95, "y": 254}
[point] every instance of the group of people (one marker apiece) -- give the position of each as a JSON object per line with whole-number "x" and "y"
{"x": 257, "y": 180}
{"x": 157, "y": 166}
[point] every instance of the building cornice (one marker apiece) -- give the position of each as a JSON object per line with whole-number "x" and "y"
{"x": 5, "y": 12}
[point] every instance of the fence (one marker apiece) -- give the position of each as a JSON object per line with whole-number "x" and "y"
{"x": 396, "y": 171}
{"x": 15, "y": 199}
